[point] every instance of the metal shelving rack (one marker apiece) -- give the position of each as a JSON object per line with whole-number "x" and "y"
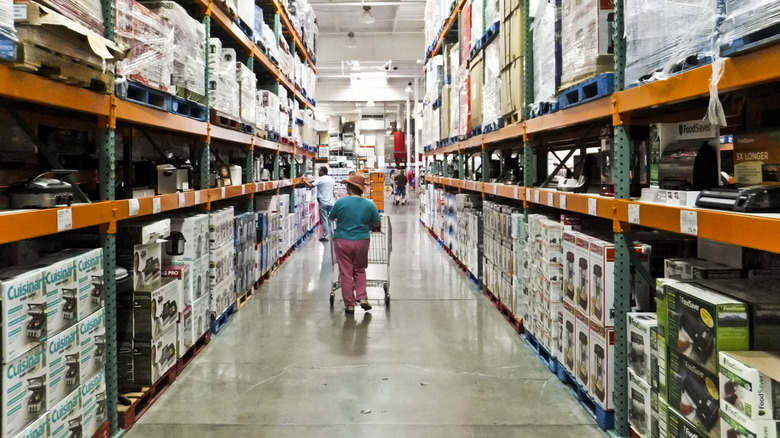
{"x": 746, "y": 70}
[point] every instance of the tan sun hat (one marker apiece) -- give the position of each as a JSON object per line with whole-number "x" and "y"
{"x": 357, "y": 181}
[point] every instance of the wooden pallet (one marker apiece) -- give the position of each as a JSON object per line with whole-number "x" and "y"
{"x": 545, "y": 356}
{"x": 192, "y": 96}
{"x": 217, "y": 118}
{"x": 221, "y": 321}
{"x": 513, "y": 117}
{"x": 142, "y": 400}
{"x": 103, "y": 431}
{"x": 228, "y": 8}
{"x": 242, "y": 299}
{"x": 604, "y": 418}
{"x": 190, "y": 354}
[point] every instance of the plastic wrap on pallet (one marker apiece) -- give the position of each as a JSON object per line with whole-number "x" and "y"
{"x": 150, "y": 43}
{"x": 463, "y": 94}
{"x": 492, "y": 13}
{"x": 745, "y": 17}
{"x": 189, "y": 52}
{"x": 661, "y": 34}
{"x": 455, "y": 108}
{"x": 491, "y": 89}
{"x": 247, "y": 83}
{"x": 268, "y": 105}
{"x": 7, "y": 19}
{"x": 477, "y": 20}
{"x": 545, "y": 83}
{"x": 259, "y": 22}
{"x": 87, "y": 12}
{"x": 224, "y": 91}
{"x": 586, "y": 39}
{"x": 271, "y": 42}
{"x": 434, "y": 77}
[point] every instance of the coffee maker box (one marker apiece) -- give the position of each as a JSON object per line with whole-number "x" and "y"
{"x": 757, "y": 158}
{"x": 750, "y": 381}
{"x": 63, "y": 357}
{"x": 185, "y": 331}
{"x": 582, "y": 277}
{"x": 37, "y": 429}
{"x": 569, "y": 337}
{"x": 680, "y": 427}
{"x": 93, "y": 402}
{"x": 602, "y": 357}
{"x": 92, "y": 341}
{"x": 703, "y": 322}
{"x": 24, "y": 310}
{"x": 156, "y": 310}
{"x": 641, "y": 335}
{"x": 693, "y": 392}
{"x": 65, "y": 419}
{"x": 153, "y": 358}
{"x": 734, "y": 423}
{"x": 24, "y": 390}
{"x": 640, "y": 405}
{"x": 570, "y": 270}
{"x": 89, "y": 271}
{"x": 582, "y": 341}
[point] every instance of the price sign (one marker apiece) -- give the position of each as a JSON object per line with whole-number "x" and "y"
{"x": 257, "y": 187}
{"x": 133, "y": 206}
{"x": 689, "y": 222}
{"x": 593, "y": 208}
{"x": 243, "y": 189}
{"x": 197, "y": 197}
{"x": 527, "y": 194}
{"x": 222, "y": 192}
{"x": 182, "y": 200}
{"x": 517, "y": 192}
{"x": 536, "y": 196}
{"x": 562, "y": 201}
{"x": 633, "y": 213}
{"x": 495, "y": 189}
{"x": 156, "y": 205}
{"x": 551, "y": 199}
{"x": 64, "y": 219}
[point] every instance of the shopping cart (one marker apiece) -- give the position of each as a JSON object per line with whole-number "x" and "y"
{"x": 378, "y": 270}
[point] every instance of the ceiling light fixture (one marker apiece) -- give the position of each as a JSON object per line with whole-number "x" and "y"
{"x": 351, "y": 43}
{"x": 367, "y": 17}
{"x": 408, "y": 88}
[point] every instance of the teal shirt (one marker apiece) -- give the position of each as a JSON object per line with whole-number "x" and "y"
{"x": 354, "y": 217}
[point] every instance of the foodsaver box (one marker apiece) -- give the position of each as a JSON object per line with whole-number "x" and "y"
{"x": 750, "y": 381}
{"x": 641, "y": 331}
{"x": 734, "y": 423}
{"x": 640, "y": 412}
{"x": 693, "y": 392}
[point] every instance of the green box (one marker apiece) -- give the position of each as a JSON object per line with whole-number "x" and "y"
{"x": 702, "y": 322}
{"x": 693, "y": 392}
{"x": 660, "y": 351}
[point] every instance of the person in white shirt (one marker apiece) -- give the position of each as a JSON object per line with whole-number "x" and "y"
{"x": 325, "y": 197}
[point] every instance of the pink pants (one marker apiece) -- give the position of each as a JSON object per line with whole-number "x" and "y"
{"x": 352, "y": 256}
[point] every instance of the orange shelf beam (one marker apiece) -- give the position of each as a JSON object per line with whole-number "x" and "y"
{"x": 587, "y": 112}
{"x": 136, "y": 113}
{"x": 220, "y": 133}
{"x": 28, "y": 87}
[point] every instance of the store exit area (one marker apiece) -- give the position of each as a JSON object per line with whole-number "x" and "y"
{"x": 438, "y": 362}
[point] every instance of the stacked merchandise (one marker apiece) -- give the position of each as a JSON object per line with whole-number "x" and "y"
{"x": 147, "y": 316}
{"x": 450, "y": 235}
{"x": 267, "y": 111}
{"x": 748, "y": 18}
{"x": 586, "y": 40}
{"x": 470, "y": 233}
{"x": 86, "y": 12}
{"x": 150, "y": 42}
{"x": 433, "y": 21}
{"x": 378, "y": 189}
{"x": 662, "y": 35}
{"x": 224, "y": 91}
{"x": 186, "y": 257}
{"x": 267, "y": 247}
{"x": 286, "y": 60}
{"x": 545, "y": 282}
{"x": 511, "y": 46}
{"x": 271, "y": 42}
{"x": 643, "y": 405}
{"x": 245, "y": 9}
{"x": 546, "y": 53}
{"x": 189, "y": 51}
{"x": 53, "y": 344}
{"x": 221, "y": 260}
{"x": 476, "y": 83}
{"x": 464, "y": 87}
{"x": 7, "y": 26}
{"x": 477, "y": 21}
{"x": 245, "y": 236}
{"x": 521, "y": 275}
{"x": 491, "y": 88}
{"x": 750, "y": 394}
{"x": 285, "y": 114}
{"x": 498, "y": 255}
{"x": 457, "y": 84}
{"x": 247, "y": 86}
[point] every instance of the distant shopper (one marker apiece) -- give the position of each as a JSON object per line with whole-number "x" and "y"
{"x": 400, "y": 184}
{"x": 325, "y": 197}
{"x": 355, "y": 217}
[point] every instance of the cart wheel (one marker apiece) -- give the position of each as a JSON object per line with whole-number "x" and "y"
{"x": 332, "y": 299}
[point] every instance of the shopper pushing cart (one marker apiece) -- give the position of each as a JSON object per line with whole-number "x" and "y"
{"x": 360, "y": 237}
{"x": 400, "y": 180}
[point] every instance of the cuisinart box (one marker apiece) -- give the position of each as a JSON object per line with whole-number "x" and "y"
{"x": 693, "y": 392}
{"x": 602, "y": 358}
{"x": 734, "y": 423}
{"x": 65, "y": 419}
{"x": 640, "y": 412}
{"x": 93, "y": 402}
{"x": 641, "y": 332}
{"x": 89, "y": 271}
{"x": 38, "y": 429}
{"x": 24, "y": 391}
{"x": 582, "y": 338}
{"x": 750, "y": 381}
{"x": 757, "y": 158}
{"x": 24, "y": 310}
{"x": 61, "y": 284}
{"x": 92, "y": 338}
{"x": 703, "y": 322}
{"x": 63, "y": 357}
{"x": 152, "y": 359}
{"x": 155, "y": 310}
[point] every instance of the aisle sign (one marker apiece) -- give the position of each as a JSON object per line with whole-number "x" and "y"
{"x": 156, "y": 205}
{"x": 689, "y": 222}
{"x": 593, "y": 208}
{"x": 562, "y": 201}
{"x": 182, "y": 201}
{"x": 633, "y": 213}
{"x": 551, "y": 200}
{"x": 197, "y": 197}
{"x": 64, "y": 219}
{"x": 134, "y": 206}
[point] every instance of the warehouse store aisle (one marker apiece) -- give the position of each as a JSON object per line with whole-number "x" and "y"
{"x": 441, "y": 362}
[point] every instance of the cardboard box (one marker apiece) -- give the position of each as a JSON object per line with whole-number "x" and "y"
{"x": 602, "y": 358}
{"x": 24, "y": 390}
{"x": 155, "y": 310}
{"x": 757, "y": 158}
{"x": 582, "y": 276}
{"x": 693, "y": 392}
{"x": 659, "y": 426}
{"x": 569, "y": 344}
{"x": 37, "y": 429}
{"x": 24, "y": 310}
{"x": 511, "y": 40}
{"x": 89, "y": 271}
{"x": 93, "y": 402}
{"x": 663, "y": 134}
{"x": 476, "y": 81}
{"x": 640, "y": 412}
{"x": 680, "y": 427}
{"x": 602, "y": 285}
{"x": 570, "y": 270}
{"x": 63, "y": 361}
{"x": 641, "y": 334}
{"x": 222, "y": 295}
{"x": 734, "y": 423}
{"x": 221, "y": 263}
{"x": 186, "y": 339}
{"x": 186, "y": 273}
{"x": 201, "y": 317}
{"x": 92, "y": 340}
{"x": 62, "y": 292}
{"x": 188, "y": 240}
{"x": 750, "y": 381}
{"x": 65, "y": 419}
{"x": 660, "y": 370}
{"x": 221, "y": 227}
{"x": 142, "y": 232}
{"x": 582, "y": 341}
{"x": 703, "y": 322}
{"x": 151, "y": 359}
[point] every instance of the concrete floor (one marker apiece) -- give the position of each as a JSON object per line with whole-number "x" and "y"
{"x": 441, "y": 362}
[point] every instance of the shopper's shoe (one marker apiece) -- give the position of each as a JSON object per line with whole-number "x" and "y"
{"x": 364, "y": 304}
{"x": 324, "y": 239}
{"x": 349, "y": 309}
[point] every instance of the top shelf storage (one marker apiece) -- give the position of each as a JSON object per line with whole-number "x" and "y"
{"x": 445, "y": 30}
{"x": 295, "y": 36}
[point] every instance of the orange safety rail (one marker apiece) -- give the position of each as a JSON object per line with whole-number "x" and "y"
{"x": 587, "y": 112}
{"x": 220, "y": 133}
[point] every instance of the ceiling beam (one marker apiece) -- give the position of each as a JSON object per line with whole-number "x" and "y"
{"x": 315, "y": 4}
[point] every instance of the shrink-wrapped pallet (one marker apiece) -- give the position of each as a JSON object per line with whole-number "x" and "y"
{"x": 546, "y": 52}
{"x": 586, "y": 39}
{"x": 7, "y": 19}
{"x": 758, "y": 19}
{"x": 477, "y": 20}
{"x": 491, "y": 89}
{"x": 247, "y": 84}
{"x": 150, "y": 43}
{"x": 87, "y": 12}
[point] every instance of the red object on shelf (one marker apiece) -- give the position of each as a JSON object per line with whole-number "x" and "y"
{"x": 465, "y": 33}
{"x": 399, "y": 145}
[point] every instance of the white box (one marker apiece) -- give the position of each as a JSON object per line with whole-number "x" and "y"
{"x": 62, "y": 292}
{"x": 569, "y": 250}
{"x": 146, "y": 266}
{"x": 602, "y": 358}
{"x": 152, "y": 359}
{"x": 92, "y": 339}
{"x": 38, "y": 429}
{"x": 220, "y": 227}
{"x": 641, "y": 332}
{"x": 602, "y": 284}
{"x": 750, "y": 380}
{"x": 63, "y": 361}
{"x": 189, "y": 238}
{"x": 582, "y": 276}
{"x": 142, "y": 232}
{"x": 569, "y": 344}
{"x": 201, "y": 317}
{"x": 93, "y": 402}
{"x": 65, "y": 418}
{"x": 221, "y": 263}
{"x": 582, "y": 342}
{"x": 24, "y": 391}
{"x": 186, "y": 273}
{"x": 155, "y": 310}
{"x": 89, "y": 270}
{"x": 734, "y": 423}
{"x": 640, "y": 412}
{"x": 222, "y": 295}
{"x": 185, "y": 331}
{"x": 201, "y": 283}
{"x": 24, "y": 310}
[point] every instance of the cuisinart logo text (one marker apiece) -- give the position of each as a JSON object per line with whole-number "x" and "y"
{"x": 62, "y": 343}
{"x": 27, "y": 364}
{"x": 694, "y": 128}
{"x": 91, "y": 325}
{"x": 90, "y": 263}
{"x": 25, "y": 289}
{"x": 53, "y": 277}
{"x": 38, "y": 432}
{"x": 91, "y": 385}
{"x": 66, "y": 409}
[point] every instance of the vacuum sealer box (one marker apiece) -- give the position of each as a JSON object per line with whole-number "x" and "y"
{"x": 757, "y": 158}
{"x": 37, "y": 429}
{"x": 750, "y": 381}
{"x": 152, "y": 359}
{"x": 24, "y": 391}
{"x": 663, "y": 134}
{"x": 681, "y": 427}
{"x": 92, "y": 340}
{"x": 154, "y": 310}
{"x": 582, "y": 342}
{"x": 641, "y": 332}
{"x": 24, "y": 310}
{"x": 63, "y": 357}
{"x": 659, "y": 371}
{"x": 703, "y": 322}
{"x": 734, "y": 423}
{"x": 93, "y": 402}
{"x": 65, "y": 419}
{"x": 693, "y": 392}
{"x": 640, "y": 405}
{"x": 602, "y": 358}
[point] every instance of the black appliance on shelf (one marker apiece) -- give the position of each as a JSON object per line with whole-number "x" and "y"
{"x": 754, "y": 198}
{"x": 40, "y": 192}
{"x": 688, "y": 165}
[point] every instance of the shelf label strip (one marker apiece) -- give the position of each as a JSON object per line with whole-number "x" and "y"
{"x": 633, "y": 214}
{"x": 133, "y": 206}
{"x": 551, "y": 200}
{"x": 562, "y": 201}
{"x": 156, "y": 205}
{"x": 182, "y": 200}
{"x": 197, "y": 197}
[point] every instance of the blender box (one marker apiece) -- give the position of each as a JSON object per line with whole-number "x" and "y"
{"x": 641, "y": 335}
{"x": 602, "y": 357}
{"x": 93, "y": 403}
{"x": 151, "y": 359}
{"x": 186, "y": 273}
{"x": 37, "y": 429}
{"x": 24, "y": 391}
{"x": 569, "y": 337}
{"x": 602, "y": 285}
{"x": 763, "y": 308}
{"x": 65, "y": 419}
{"x": 703, "y": 322}
{"x": 24, "y": 310}
{"x": 582, "y": 278}
{"x": 640, "y": 405}
{"x": 92, "y": 341}
{"x": 154, "y": 310}
{"x": 570, "y": 271}
{"x": 63, "y": 360}
{"x": 188, "y": 239}
{"x": 734, "y": 423}
{"x": 221, "y": 263}
{"x": 750, "y": 381}
{"x": 582, "y": 341}
{"x": 89, "y": 271}
{"x": 680, "y": 427}
{"x": 186, "y": 339}
{"x": 693, "y": 392}
{"x": 62, "y": 292}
